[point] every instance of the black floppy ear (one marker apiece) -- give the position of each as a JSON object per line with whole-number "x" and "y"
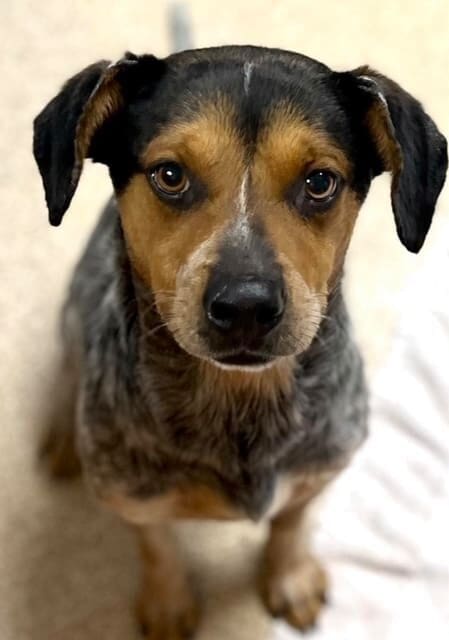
{"x": 409, "y": 145}
{"x": 64, "y": 131}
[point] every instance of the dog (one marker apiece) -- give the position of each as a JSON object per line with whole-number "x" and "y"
{"x": 209, "y": 368}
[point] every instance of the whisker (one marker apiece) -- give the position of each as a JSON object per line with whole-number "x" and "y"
{"x": 155, "y": 329}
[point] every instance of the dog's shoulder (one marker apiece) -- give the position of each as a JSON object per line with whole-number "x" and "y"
{"x": 100, "y": 309}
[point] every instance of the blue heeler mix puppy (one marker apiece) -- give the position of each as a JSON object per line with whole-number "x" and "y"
{"x": 209, "y": 367}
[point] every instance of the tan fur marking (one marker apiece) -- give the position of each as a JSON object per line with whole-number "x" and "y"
{"x": 208, "y": 144}
{"x": 315, "y": 247}
{"x": 202, "y": 502}
{"x": 379, "y": 122}
{"x": 166, "y": 607}
{"x": 106, "y": 100}
{"x": 186, "y": 502}
{"x": 267, "y": 383}
{"x": 289, "y": 147}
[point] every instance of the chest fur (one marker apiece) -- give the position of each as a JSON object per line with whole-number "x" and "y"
{"x": 195, "y": 501}
{"x": 223, "y": 456}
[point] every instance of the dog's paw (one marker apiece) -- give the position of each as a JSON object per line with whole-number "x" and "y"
{"x": 167, "y": 616}
{"x": 296, "y": 594}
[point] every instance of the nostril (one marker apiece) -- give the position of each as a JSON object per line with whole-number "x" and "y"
{"x": 222, "y": 314}
{"x": 268, "y": 315}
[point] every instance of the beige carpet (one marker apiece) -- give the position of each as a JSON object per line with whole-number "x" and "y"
{"x": 68, "y": 571}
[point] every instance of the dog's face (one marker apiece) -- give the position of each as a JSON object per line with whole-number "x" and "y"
{"x": 239, "y": 174}
{"x": 240, "y": 215}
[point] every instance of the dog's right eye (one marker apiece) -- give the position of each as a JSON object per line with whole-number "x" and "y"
{"x": 169, "y": 179}
{"x": 321, "y": 185}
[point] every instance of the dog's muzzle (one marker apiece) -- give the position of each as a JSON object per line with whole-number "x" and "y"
{"x": 241, "y": 312}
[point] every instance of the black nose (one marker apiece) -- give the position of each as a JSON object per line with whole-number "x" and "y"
{"x": 250, "y": 307}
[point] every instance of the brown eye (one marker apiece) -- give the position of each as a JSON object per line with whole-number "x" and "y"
{"x": 320, "y": 185}
{"x": 170, "y": 179}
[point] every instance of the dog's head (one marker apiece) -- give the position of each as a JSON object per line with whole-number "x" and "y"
{"x": 239, "y": 173}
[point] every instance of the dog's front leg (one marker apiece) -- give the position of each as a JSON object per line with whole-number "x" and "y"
{"x": 166, "y": 608}
{"x": 294, "y": 584}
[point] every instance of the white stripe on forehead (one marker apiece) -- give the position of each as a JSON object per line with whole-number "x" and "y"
{"x": 241, "y": 226}
{"x": 247, "y": 71}
{"x": 242, "y": 205}
{"x": 243, "y": 194}
{"x": 242, "y": 223}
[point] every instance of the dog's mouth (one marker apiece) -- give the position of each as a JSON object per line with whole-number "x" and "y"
{"x": 246, "y": 359}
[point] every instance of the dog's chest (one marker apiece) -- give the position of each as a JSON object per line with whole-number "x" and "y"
{"x": 236, "y": 450}
{"x": 224, "y": 457}
{"x": 245, "y": 461}
{"x": 235, "y": 460}
{"x": 190, "y": 461}
{"x": 197, "y": 501}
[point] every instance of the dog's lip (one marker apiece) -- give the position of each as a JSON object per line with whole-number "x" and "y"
{"x": 244, "y": 359}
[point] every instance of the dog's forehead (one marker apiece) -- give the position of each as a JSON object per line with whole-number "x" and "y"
{"x": 247, "y": 88}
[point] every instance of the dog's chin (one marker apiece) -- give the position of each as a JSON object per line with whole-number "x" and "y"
{"x": 244, "y": 358}
{"x": 243, "y": 361}
{"x": 231, "y": 360}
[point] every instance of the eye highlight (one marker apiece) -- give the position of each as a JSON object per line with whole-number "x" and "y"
{"x": 320, "y": 185}
{"x": 169, "y": 179}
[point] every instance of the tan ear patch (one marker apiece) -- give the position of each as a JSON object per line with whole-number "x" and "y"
{"x": 105, "y": 100}
{"x": 381, "y": 127}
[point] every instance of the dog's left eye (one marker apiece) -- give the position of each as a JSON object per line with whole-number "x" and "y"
{"x": 170, "y": 179}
